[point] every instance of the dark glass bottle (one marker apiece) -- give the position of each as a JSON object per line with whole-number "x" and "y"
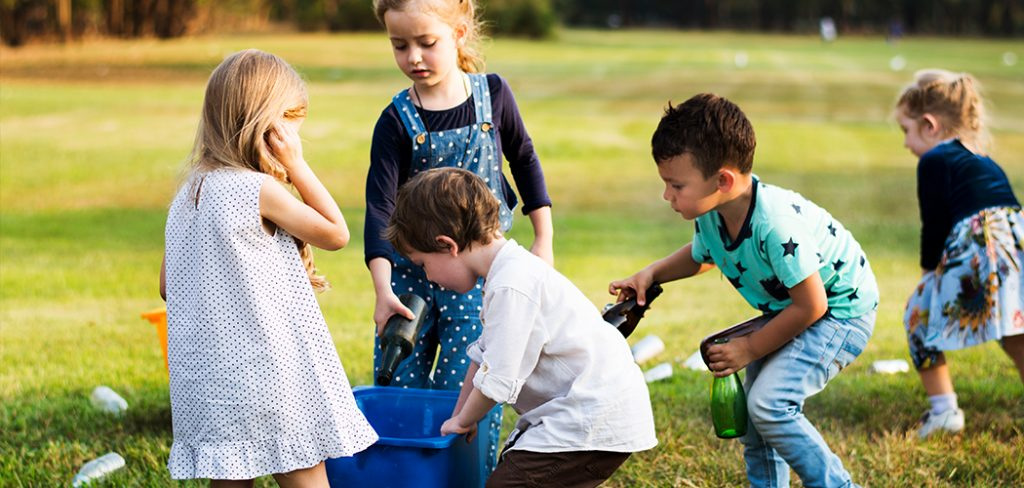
{"x": 626, "y": 314}
{"x": 399, "y": 337}
{"x": 728, "y": 405}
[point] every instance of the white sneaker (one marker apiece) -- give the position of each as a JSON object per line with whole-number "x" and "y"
{"x": 951, "y": 421}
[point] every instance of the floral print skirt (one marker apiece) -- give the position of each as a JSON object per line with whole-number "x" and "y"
{"x": 975, "y": 294}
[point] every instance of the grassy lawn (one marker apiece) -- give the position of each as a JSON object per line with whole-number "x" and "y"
{"x": 92, "y": 138}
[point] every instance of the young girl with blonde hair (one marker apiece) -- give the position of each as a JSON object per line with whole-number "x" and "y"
{"x": 972, "y": 235}
{"x": 256, "y": 384}
{"x": 451, "y": 116}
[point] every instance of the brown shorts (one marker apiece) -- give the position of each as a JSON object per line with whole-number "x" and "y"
{"x": 574, "y": 469}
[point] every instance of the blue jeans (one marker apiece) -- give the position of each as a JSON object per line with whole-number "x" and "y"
{"x": 779, "y": 436}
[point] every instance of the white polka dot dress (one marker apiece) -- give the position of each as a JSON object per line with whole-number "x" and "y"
{"x": 256, "y": 383}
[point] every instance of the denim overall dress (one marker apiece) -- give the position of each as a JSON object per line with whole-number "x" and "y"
{"x": 453, "y": 320}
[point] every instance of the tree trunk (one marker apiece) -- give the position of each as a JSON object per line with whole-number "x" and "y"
{"x": 64, "y": 19}
{"x": 115, "y": 18}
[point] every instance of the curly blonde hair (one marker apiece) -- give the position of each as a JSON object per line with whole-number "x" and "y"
{"x": 246, "y": 94}
{"x": 953, "y": 98}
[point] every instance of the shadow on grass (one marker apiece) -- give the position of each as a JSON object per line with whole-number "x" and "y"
{"x": 34, "y": 418}
{"x": 879, "y": 405}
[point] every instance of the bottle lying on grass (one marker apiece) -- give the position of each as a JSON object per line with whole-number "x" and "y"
{"x": 108, "y": 400}
{"x": 98, "y": 468}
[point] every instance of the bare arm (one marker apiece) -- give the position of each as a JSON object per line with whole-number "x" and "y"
{"x": 163, "y": 278}
{"x": 471, "y": 407}
{"x": 467, "y": 387}
{"x": 809, "y": 304}
{"x": 387, "y": 303}
{"x": 316, "y": 218}
{"x": 675, "y": 266}
{"x": 543, "y": 234}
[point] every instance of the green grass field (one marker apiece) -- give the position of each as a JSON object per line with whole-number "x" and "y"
{"x": 92, "y": 137}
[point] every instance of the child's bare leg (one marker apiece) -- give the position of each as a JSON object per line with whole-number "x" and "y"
{"x": 936, "y": 378}
{"x": 231, "y": 483}
{"x": 1014, "y": 347}
{"x": 315, "y": 477}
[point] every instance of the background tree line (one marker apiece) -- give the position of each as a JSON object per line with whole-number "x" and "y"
{"x": 27, "y": 20}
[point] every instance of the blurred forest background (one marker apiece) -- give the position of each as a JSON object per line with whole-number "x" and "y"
{"x": 23, "y": 21}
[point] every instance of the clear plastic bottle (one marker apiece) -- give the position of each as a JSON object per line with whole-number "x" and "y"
{"x": 108, "y": 400}
{"x": 98, "y": 468}
{"x": 659, "y": 372}
{"x": 646, "y": 348}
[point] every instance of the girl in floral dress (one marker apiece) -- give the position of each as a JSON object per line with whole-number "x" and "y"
{"x": 972, "y": 236}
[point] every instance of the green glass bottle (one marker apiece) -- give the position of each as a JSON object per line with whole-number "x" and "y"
{"x": 728, "y": 405}
{"x": 399, "y": 337}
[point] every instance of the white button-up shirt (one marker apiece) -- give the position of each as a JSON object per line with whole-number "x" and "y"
{"x": 546, "y": 351}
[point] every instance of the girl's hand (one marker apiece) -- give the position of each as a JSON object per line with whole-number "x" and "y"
{"x": 730, "y": 357}
{"x": 542, "y": 248}
{"x": 454, "y": 426}
{"x": 634, "y": 286}
{"x": 387, "y": 305}
{"x": 284, "y": 142}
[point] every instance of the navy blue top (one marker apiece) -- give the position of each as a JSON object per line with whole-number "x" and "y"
{"x": 952, "y": 184}
{"x": 391, "y": 155}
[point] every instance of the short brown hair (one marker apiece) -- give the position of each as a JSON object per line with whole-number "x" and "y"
{"x": 449, "y": 202}
{"x": 711, "y": 129}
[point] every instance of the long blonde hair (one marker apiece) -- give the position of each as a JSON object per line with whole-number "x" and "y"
{"x": 953, "y": 98}
{"x": 247, "y": 93}
{"x": 455, "y": 13}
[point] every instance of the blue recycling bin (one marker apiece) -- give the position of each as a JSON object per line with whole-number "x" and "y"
{"x": 411, "y": 453}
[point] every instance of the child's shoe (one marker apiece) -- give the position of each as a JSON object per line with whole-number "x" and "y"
{"x": 951, "y": 421}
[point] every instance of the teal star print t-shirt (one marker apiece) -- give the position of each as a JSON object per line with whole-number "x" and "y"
{"x": 784, "y": 239}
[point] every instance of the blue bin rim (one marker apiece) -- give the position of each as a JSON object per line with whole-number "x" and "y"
{"x": 436, "y": 442}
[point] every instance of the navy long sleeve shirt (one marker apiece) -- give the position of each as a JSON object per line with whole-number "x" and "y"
{"x": 952, "y": 184}
{"x": 391, "y": 154}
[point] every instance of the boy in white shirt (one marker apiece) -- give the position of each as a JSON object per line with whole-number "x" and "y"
{"x": 545, "y": 350}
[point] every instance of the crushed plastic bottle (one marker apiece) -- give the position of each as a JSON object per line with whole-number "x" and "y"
{"x": 694, "y": 362}
{"x": 659, "y": 372}
{"x": 98, "y": 468}
{"x": 647, "y": 348}
{"x": 890, "y": 366}
{"x": 108, "y": 400}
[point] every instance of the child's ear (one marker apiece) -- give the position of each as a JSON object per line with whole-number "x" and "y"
{"x": 930, "y": 125}
{"x": 726, "y": 180}
{"x": 460, "y": 34}
{"x": 449, "y": 244}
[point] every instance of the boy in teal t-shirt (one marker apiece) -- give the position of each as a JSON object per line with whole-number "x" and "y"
{"x": 784, "y": 239}
{"x": 783, "y": 254}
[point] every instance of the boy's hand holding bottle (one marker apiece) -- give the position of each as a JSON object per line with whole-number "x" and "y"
{"x": 635, "y": 285}
{"x": 730, "y": 357}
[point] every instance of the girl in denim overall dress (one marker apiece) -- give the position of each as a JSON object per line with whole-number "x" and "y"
{"x": 451, "y": 116}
